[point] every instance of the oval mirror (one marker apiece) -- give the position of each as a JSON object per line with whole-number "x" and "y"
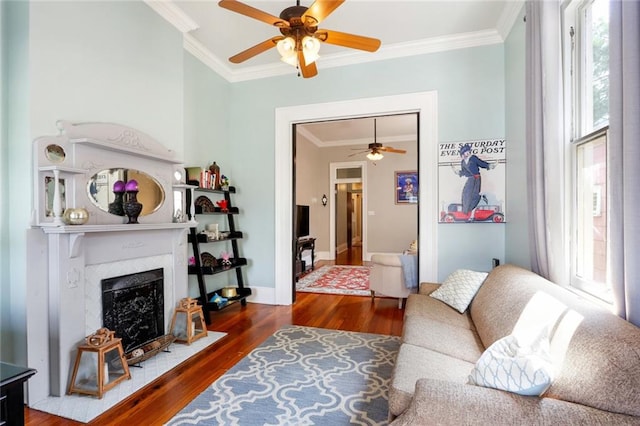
{"x": 100, "y": 190}
{"x": 55, "y": 153}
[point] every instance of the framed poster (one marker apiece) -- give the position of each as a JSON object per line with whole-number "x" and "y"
{"x": 471, "y": 176}
{"x": 406, "y": 187}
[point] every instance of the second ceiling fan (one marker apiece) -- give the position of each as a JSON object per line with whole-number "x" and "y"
{"x": 300, "y": 37}
{"x": 375, "y": 149}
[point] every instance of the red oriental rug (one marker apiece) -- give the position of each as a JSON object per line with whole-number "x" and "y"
{"x": 349, "y": 280}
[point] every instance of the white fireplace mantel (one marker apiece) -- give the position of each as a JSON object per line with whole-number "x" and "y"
{"x": 64, "y": 296}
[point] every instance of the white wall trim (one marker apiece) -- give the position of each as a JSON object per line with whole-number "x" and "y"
{"x": 173, "y": 14}
{"x": 424, "y": 103}
{"x": 508, "y": 17}
{"x": 391, "y": 51}
{"x": 197, "y": 49}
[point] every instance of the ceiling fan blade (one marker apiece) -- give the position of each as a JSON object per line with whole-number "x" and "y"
{"x": 348, "y": 40}
{"x": 389, "y": 149}
{"x": 252, "y": 12}
{"x": 255, "y": 50}
{"x": 318, "y": 11}
{"x": 307, "y": 71}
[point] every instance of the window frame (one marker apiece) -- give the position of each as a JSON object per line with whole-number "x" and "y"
{"x": 591, "y": 287}
{"x": 578, "y": 118}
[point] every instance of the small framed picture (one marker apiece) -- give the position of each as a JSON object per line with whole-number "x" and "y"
{"x": 406, "y": 187}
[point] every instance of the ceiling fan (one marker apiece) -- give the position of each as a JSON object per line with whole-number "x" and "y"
{"x": 376, "y": 149}
{"x": 300, "y": 40}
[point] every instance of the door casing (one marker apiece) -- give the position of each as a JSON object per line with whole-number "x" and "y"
{"x": 423, "y": 103}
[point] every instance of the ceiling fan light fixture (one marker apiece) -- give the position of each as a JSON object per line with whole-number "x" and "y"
{"x": 291, "y": 60}
{"x": 375, "y": 156}
{"x": 310, "y": 49}
{"x": 287, "y": 50}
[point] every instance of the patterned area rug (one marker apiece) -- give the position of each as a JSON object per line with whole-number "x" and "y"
{"x": 302, "y": 376}
{"x": 350, "y": 280}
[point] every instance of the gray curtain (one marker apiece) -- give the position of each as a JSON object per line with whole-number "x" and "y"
{"x": 544, "y": 136}
{"x": 624, "y": 158}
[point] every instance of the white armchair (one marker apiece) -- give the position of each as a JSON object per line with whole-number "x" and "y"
{"x": 387, "y": 278}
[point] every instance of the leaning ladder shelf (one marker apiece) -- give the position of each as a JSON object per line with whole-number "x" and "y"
{"x": 201, "y": 271}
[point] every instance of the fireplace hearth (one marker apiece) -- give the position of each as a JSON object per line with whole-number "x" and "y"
{"x": 133, "y": 307}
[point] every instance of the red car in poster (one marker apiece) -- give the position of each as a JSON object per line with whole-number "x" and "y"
{"x": 484, "y": 213}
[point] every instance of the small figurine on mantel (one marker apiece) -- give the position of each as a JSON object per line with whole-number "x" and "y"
{"x": 214, "y": 169}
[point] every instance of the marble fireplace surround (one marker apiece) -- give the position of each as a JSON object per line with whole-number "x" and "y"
{"x": 65, "y": 302}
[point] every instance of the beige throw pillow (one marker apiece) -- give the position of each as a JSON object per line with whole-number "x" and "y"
{"x": 459, "y": 288}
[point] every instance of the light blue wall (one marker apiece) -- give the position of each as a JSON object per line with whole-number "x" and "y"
{"x": 470, "y": 85}
{"x": 517, "y": 237}
{"x": 106, "y": 61}
{"x": 16, "y": 179}
{"x": 4, "y": 185}
{"x": 120, "y": 62}
{"x": 87, "y": 61}
{"x": 206, "y": 115}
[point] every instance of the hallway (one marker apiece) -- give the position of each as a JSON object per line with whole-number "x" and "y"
{"x": 351, "y": 256}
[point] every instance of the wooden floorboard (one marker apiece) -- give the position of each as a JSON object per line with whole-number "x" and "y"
{"x": 247, "y": 327}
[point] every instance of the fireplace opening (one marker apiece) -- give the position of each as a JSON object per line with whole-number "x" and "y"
{"x": 133, "y": 307}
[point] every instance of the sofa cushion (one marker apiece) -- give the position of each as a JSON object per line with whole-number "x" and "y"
{"x": 459, "y": 288}
{"x": 598, "y": 354}
{"x": 441, "y": 403}
{"x": 519, "y": 363}
{"x": 413, "y": 363}
{"x": 430, "y": 333}
{"x": 428, "y": 307}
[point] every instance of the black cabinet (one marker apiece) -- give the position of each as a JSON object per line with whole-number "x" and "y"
{"x": 205, "y": 264}
{"x": 12, "y": 378}
{"x": 303, "y": 244}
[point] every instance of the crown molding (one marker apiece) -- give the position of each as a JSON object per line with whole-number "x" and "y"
{"x": 392, "y": 51}
{"x": 180, "y": 20}
{"x": 198, "y": 50}
{"x": 508, "y": 17}
{"x": 309, "y": 136}
{"x": 173, "y": 14}
{"x": 366, "y": 141}
{"x": 350, "y": 142}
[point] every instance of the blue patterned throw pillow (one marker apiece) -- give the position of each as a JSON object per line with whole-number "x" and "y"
{"x": 459, "y": 288}
{"x": 519, "y": 363}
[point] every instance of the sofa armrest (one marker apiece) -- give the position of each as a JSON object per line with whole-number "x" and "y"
{"x": 447, "y": 403}
{"x": 428, "y": 288}
{"x": 386, "y": 259}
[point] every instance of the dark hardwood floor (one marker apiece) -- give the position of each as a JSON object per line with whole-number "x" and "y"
{"x": 247, "y": 327}
{"x": 351, "y": 256}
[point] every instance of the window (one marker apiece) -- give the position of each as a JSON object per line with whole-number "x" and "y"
{"x": 586, "y": 65}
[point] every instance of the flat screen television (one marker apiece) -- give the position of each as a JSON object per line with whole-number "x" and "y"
{"x": 301, "y": 220}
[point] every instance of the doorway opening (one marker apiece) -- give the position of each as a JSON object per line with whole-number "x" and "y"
{"x": 424, "y": 103}
{"x": 347, "y": 221}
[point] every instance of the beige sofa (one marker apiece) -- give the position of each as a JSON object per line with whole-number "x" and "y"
{"x": 597, "y": 356}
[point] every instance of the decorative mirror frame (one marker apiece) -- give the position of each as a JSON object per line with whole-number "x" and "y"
{"x": 88, "y": 148}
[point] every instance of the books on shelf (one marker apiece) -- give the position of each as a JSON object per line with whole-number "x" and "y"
{"x": 200, "y": 176}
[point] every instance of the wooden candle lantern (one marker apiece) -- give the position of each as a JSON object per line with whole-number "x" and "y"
{"x": 188, "y": 323}
{"x": 100, "y": 364}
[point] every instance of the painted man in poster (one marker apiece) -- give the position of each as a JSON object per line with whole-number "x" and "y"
{"x": 470, "y": 168}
